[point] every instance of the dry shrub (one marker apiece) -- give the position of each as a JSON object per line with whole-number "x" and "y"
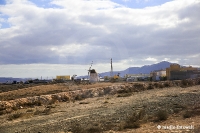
{"x": 176, "y": 110}
{"x": 156, "y": 85}
{"x": 187, "y": 114}
{"x": 45, "y": 111}
{"x": 37, "y": 112}
{"x": 14, "y": 116}
{"x": 166, "y": 84}
{"x": 186, "y": 83}
{"x": 14, "y": 108}
{"x": 65, "y": 98}
{"x": 79, "y": 97}
{"x": 124, "y": 95}
{"x": 123, "y": 91}
{"x": 139, "y": 86}
{"x": 84, "y": 103}
{"x": 95, "y": 129}
{"x": 132, "y": 125}
{"x": 150, "y": 86}
{"x": 141, "y": 114}
{"x": 29, "y": 110}
{"x": 134, "y": 121}
{"x": 180, "y": 106}
{"x": 194, "y": 111}
{"x": 161, "y": 115}
{"x": 76, "y": 128}
{"x": 107, "y": 90}
{"x": 177, "y": 107}
{"x": 2, "y": 112}
{"x": 105, "y": 102}
{"x": 161, "y": 85}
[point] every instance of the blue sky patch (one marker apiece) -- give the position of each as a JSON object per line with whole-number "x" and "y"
{"x": 140, "y": 3}
{"x": 4, "y": 24}
{"x": 44, "y": 3}
{"x": 2, "y": 2}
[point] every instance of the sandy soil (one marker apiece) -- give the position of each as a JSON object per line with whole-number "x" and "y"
{"x": 109, "y": 113}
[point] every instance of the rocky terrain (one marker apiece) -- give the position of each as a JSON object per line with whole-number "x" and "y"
{"x": 102, "y": 107}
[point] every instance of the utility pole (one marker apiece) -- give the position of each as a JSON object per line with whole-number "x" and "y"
{"x": 111, "y": 72}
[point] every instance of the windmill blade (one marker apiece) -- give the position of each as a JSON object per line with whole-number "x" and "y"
{"x": 90, "y": 66}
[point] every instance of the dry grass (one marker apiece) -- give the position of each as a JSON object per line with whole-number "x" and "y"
{"x": 63, "y": 87}
{"x": 135, "y": 120}
{"x": 101, "y": 84}
{"x": 30, "y": 112}
{"x": 46, "y": 89}
{"x": 32, "y": 91}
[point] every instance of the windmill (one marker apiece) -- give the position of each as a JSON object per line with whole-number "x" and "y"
{"x": 89, "y": 70}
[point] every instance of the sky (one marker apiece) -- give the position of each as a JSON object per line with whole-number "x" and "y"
{"x": 62, "y": 37}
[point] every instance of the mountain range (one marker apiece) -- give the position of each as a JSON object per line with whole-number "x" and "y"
{"x": 137, "y": 70}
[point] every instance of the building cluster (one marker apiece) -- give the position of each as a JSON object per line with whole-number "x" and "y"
{"x": 175, "y": 72}
{"x": 92, "y": 77}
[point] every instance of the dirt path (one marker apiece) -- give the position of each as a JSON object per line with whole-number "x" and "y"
{"x": 107, "y": 112}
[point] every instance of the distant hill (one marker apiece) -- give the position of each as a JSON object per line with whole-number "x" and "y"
{"x": 137, "y": 70}
{"x": 144, "y": 69}
{"x": 10, "y": 79}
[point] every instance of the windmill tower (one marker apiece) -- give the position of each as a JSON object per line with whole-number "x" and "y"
{"x": 89, "y": 70}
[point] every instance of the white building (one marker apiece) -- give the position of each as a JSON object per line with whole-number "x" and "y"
{"x": 157, "y": 74}
{"x": 136, "y": 77}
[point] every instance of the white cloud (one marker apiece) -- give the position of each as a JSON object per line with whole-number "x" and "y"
{"x": 151, "y": 59}
{"x": 84, "y": 31}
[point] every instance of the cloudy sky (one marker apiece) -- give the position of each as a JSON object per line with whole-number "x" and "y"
{"x": 61, "y": 37}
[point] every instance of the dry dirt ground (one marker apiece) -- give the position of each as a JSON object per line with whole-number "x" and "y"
{"x": 125, "y": 112}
